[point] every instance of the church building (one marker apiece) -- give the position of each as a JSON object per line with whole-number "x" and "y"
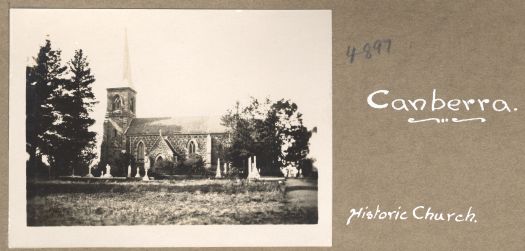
{"x": 159, "y": 139}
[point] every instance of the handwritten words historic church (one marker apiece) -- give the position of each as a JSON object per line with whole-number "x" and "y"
{"x": 166, "y": 138}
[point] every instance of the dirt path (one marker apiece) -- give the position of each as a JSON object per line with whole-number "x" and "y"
{"x": 302, "y": 192}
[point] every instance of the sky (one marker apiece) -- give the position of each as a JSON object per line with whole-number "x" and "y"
{"x": 193, "y": 62}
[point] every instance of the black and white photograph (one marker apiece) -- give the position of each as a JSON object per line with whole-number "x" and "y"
{"x": 168, "y": 125}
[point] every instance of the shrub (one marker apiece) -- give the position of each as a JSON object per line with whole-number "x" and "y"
{"x": 165, "y": 164}
{"x": 98, "y": 168}
{"x": 37, "y": 169}
{"x": 307, "y": 166}
{"x": 164, "y": 167}
{"x": 236, "y": 172}
{"x": 193, "y": 165}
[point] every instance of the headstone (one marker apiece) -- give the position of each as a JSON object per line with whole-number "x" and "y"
{"x": 108, "y": 172}
{"x": 249, "y": 167}
{"x": 253, "y": 173}
{"x": 255, "y": 161}
{"x": 129, "y": 171}
{"x": 208, "y": 151}
{"x": 218, "y": 172}
{"x": 138, "y": 173}
{"x": 89, "y": 175}
{"x": 146, "y": 168}
{"x": 146, "y": 178}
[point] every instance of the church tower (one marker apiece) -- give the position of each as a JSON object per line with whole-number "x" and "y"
{"x": 120, "y": 110}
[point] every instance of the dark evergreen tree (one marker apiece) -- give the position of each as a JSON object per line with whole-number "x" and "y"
{"x": 74, "y": 102}
{"x": 42, "y": 80}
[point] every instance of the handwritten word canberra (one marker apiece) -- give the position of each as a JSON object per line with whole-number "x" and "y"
{"x": 436, "y": 103}
{"x": 381, "y": 99}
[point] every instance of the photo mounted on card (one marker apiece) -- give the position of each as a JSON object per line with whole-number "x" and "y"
{"x": 169, "y": 128}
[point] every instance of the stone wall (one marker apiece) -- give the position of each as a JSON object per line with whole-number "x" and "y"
{"x": 181, "y": 141}
{"x": 161, "y": 149}
{"x": 113, "y": 141}
{"x": 150, "y": 141}
{"x": 155, "y": 146}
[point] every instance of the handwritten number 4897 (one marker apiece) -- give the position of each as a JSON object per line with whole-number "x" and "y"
{"x": 369, "y": 49}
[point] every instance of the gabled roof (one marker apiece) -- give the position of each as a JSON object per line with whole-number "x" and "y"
{"x": 175, "y": 125}
{"x": 173, "y": 150}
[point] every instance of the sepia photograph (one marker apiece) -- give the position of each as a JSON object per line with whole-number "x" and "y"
{"x": 170, "y": 118}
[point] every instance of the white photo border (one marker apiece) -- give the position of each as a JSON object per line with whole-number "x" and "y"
{"x": 22, "y": 236}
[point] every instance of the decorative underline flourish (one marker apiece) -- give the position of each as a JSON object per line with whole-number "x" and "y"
{"x": 482, "y": 120}
{"x": 446, "y": 120}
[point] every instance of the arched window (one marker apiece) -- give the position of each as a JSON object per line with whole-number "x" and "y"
{"x": 117, "y": 102}
{"x": 191, "y": 147}
{"x": 140, "y": 152}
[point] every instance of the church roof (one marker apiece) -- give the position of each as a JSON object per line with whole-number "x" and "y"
{"x": 175, "y": 125}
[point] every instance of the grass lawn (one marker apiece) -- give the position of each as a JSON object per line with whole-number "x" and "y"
{"x": 59, "y": 203}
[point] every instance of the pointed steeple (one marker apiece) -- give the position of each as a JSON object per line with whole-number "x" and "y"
{"x": 126, "y": 71}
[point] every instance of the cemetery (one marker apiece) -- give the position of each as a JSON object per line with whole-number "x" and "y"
{"x": 244, "y": 167}
{"x": 107, "y": 200}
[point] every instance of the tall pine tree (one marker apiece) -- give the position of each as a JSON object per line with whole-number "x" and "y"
{"x": 42, "y": 80}
{"x": 75, "y": 102}
{"x": 58, "y": 106}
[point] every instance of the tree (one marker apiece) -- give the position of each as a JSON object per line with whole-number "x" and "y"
{"x": 124, "y": 160}
{"x": 42, "y": 80}
{"x": 58, "y": 107}
{"x": 292, "y": 133}
{"x": 273, "y": 131}
{"x": 74, "y": 101}
{"x": 242, "y": 143}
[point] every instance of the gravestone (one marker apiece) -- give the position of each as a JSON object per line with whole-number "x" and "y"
{"x": 89, "y": 175}
{"x": 218, "y": 172}
{"x": 146, "y": 169}
{"x": 108, "y": 172}
{"x": 138, "y": 173}
{"x": 249, "y": 167}
{"x": 253, "y": 172}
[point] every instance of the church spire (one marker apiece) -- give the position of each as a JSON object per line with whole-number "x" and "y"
{"x": 126, "y": 73}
